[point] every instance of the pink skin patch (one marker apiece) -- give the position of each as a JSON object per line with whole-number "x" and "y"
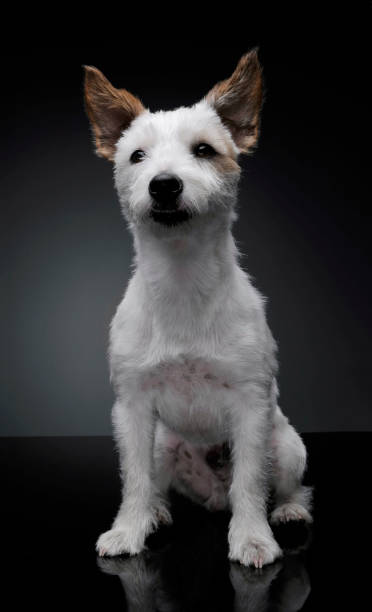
{"x": 209, "y": 484}
{"x": 183, "y": 377}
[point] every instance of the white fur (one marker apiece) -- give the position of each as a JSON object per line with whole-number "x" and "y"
{"x": 192, "y": 358}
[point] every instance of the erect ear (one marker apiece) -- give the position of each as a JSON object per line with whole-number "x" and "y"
{"x": 238, "y": 101}
{"x": 110, "y": 111}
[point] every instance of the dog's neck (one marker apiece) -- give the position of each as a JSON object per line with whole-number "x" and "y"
{"x": 187, "y": 270}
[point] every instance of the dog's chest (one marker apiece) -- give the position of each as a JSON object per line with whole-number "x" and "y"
{"x": 191, "y": 397}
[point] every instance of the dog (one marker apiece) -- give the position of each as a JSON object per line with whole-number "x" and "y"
{"x": 193, "y": 362}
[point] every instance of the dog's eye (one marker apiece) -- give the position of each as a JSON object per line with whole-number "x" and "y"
{"x": 137, "y": 156}
{"x": 204, "y": 150}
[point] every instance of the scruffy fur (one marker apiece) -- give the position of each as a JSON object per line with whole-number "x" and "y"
{"x": 193, "y": 362}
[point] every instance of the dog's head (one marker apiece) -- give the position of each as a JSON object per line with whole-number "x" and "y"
{"x": 172, "y": 166}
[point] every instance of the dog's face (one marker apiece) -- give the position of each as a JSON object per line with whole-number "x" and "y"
{"x": 173, "y": 166}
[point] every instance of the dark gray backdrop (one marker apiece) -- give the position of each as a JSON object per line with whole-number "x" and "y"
{"x": 304, "y": 225}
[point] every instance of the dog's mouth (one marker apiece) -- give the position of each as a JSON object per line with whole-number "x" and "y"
{"x": 170, "y": 217}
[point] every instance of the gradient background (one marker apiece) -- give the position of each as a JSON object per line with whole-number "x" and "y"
{"x": 304, "y": 224}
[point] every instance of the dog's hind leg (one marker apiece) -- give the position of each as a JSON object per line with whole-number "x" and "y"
{"x": 292, "y": 499}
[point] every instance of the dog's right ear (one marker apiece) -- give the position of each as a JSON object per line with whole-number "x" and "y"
{"x": 110, "y": 111}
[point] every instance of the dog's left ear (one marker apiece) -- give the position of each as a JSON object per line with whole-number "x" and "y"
{"x": 238, "y": 101}
{"x": 110, "y": 111}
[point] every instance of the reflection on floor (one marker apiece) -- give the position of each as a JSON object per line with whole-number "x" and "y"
{"x": 162, "y": 581}
{"x": 60, "y": 493}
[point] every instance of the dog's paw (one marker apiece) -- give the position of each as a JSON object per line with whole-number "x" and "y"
{"x": 128, "y": 534}
{"x": 250, "y": 549}
{"x": 119, "y": 541}
{"x": 256, "y": 552}
{"x": 290, "y": 512}
{"x": 162, "y": 513}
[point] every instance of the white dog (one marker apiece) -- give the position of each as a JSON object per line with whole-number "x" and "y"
{"x": 192, "y": 358}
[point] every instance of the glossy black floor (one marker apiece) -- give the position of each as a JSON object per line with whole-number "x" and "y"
{"x": 60, "y": 493}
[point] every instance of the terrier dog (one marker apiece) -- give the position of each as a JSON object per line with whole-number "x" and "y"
{"x": 192, "y": 360}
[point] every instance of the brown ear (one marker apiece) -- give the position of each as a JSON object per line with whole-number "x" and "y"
{"x": 110, "y": 110}
{"x": 238, "y": 101}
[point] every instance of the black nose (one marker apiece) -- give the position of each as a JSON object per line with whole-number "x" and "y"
{"x": 165, "y": 188}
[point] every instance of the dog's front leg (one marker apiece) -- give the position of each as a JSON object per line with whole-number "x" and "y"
{"x": 251, "y": 541}
{"x": 134, "y": 427}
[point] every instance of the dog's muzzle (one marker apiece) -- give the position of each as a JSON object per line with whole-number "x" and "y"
{"x": 165, "y": 190}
